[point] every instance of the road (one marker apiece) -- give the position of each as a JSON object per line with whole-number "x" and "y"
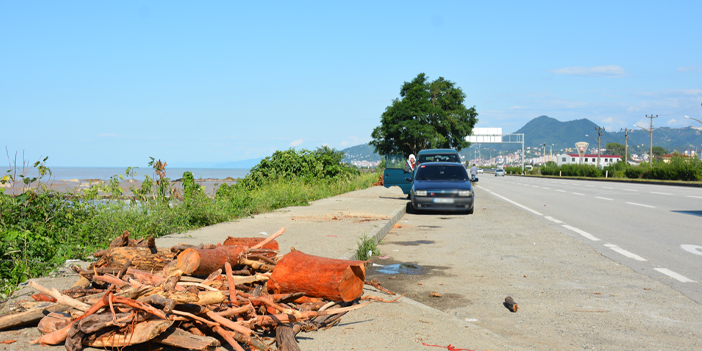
{"x": 653, "y": 229}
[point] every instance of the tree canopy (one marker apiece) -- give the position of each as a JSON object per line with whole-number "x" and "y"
{"x": 616, "y": 148}
{"x": 428, "y": 115}
{"x": 659, "y": 151}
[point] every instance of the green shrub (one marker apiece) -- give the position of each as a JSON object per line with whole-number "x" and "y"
{"x": 688, "y": 169}
{"x": 323, "y": 163}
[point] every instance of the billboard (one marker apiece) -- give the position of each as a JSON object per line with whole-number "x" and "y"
{"x": 485, "y": 135}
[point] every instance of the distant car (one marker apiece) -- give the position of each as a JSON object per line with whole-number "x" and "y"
{"x": 480, "y": 170}
{"x": 441, "y": 186}
{"x": 500, "y": 172}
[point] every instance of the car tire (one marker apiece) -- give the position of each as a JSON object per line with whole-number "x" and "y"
{"x": 470, "y": 211}
{"x": 409, "y": 209}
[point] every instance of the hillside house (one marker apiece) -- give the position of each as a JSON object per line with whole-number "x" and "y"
{"x": 588, "y": 159}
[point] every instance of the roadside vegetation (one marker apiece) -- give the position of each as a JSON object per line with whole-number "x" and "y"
{"x": 678, "y": 169}
{"x": 41, "y": 228}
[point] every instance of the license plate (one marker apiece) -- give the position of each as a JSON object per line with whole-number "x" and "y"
{"x": 443, "y": 200}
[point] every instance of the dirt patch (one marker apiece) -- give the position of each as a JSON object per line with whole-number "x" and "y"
{"x": 340, "y": 216}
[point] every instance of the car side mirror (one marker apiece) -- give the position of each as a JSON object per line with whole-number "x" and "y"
{"x": 409, "y": 179}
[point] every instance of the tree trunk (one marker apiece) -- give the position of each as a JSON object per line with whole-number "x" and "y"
{"x": 337, "y": 280}
{"x": 205, "y": 261}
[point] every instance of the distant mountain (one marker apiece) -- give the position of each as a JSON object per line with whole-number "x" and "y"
{"x": 546, "y": 130}
{"x": 363, "y": 152}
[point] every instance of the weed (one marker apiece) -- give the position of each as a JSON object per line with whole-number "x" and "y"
{"x": 367, "y": 247}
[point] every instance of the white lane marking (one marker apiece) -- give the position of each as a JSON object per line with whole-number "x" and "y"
{"x": 518, "y": 205}
{"x": 624, "y": 252}
{"x": 563, "y": 191}
{"x": 697, "y": 250}
{"x": 653, "y": 192}
{"x": 546, "y": 188}
{"x": 603, "y": 198}
{"x": 579, "y": 194}
{"x": 606, "y": 187}
{"x": 642, "y": 205}
{"x": 695, "y": 197}
{"x": 553, "y": 220}
{"x": 674, "y": 275}
{"x": 630, "y": 190}
{"x": 581, "y": 232}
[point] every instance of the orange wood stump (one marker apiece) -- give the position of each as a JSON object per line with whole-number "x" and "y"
{"x": 328, "y": 278}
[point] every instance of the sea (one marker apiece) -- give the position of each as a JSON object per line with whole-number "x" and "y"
{"x": 105, "y": 173}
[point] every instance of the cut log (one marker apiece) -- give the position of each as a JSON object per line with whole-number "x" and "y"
{"x": 141, "y": 257}
{"x": 510, "y": 304}
{"x": 250, "y": 242}
{"x": 333, "y": 279}
{"x": 205, "y": 261}
{"x": 177, "y": 337}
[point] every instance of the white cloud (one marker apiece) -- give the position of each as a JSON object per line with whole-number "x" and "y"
{"x": 608, "y": 120}
{"x": 517, "y": 108}
{"x": 595, "y": 71}
{"x": 673, "y": 120}
{"x": 344, "y": 143}
{"x": 690, "y": 69}
{"x": 296, "y": 142}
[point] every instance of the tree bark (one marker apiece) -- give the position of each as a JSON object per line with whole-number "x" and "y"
{"x": 177, "y": 337}
{"x": 333, "y": 279}
{"x": 285, "y": 338}
{"x": 141, "y": 257}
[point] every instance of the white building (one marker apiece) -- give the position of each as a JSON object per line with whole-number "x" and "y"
{"x": 588, "y": 159}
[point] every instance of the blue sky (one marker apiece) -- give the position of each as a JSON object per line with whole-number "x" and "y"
{"x": 112, "y": 83}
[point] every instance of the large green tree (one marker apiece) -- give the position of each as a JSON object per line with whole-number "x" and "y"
{"x": 428, "y": 115}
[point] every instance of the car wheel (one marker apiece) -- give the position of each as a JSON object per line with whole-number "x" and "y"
{"x": 409, "y": 208}
{"x": 470, "y": 211}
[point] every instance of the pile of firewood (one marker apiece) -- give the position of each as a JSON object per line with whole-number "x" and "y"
{"x": 241, "y": 292}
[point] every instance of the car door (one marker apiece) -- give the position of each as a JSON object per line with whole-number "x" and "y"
{"x": 394, "y": 174}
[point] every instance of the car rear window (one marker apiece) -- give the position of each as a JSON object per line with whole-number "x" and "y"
{"x": 438, "y": 158}
{"x": 441, "y": 172}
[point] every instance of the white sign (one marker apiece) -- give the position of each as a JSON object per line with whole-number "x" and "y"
{"x": 485, "y": 135}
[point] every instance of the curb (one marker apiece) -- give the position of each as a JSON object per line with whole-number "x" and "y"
{"x": 379, "y": 233}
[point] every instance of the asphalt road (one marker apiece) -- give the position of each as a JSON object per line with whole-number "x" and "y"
{"x": 654, "y": 229}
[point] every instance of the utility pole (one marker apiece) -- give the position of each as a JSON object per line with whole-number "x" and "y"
{"x": 626, "y": 144}
{"x": 543, "y": 154}
{"x": 599, "y": 136}
{"x": 650, "y": 132}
